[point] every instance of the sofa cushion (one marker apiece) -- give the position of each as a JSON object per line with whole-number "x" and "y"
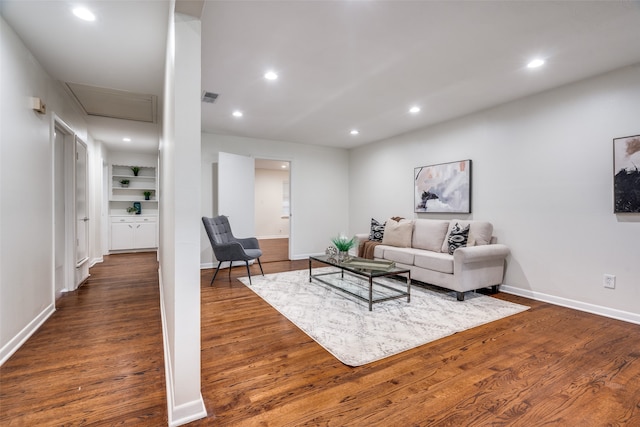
{"x": 458, "y": 237}
{"x": 398, "y": 233}
{"x": 480, "y": 233}
{"x": 400, "y": 255}
{"x": 429, "y": 234}
{"x": 377, "y": 230}
{"x": 435, "y": 261}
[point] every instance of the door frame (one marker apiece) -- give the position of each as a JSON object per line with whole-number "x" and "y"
{"x": 67, "y": 223}
{"x": 81, "y": 272}
{"x": 290, "y": 171}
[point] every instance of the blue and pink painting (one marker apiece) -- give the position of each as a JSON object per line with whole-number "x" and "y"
{"x": 444, "y": 187}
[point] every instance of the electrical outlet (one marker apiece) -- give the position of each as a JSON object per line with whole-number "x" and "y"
{"x": 609, "y": 281}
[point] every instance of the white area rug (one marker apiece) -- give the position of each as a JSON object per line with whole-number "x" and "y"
{"x": 345, "y": 327}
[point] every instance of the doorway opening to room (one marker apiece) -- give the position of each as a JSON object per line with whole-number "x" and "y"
{"x": 273, "y": 208}
{"x": 255, "y": 194}
{"x": 70, "y": 209}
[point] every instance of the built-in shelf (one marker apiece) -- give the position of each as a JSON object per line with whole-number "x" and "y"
{"x": 130, "y": 231}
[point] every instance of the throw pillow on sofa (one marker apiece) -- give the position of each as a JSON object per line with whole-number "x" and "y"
{"x": 429, "y": 234}
{"x": 458, "y": 237}
{"x": 398, "y": 233}
{"x": 480, "y": 233}
{"x": 377, "y": 230}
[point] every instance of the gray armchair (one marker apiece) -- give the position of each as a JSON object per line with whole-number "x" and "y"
{"x": 226, "y": 247}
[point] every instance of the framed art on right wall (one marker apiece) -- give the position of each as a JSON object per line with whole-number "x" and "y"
{"x": 626, "y": 174}
{"x": 444, "y": 187}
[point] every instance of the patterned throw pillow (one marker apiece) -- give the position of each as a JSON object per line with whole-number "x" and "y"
{"x": 377, "y": 231}
{"x": 458, "y": 237}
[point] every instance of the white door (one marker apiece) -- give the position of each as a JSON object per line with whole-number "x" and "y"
{"x": 122, "y": 235}
{"x": 60, "y": 239}
{"x": 81, "y": 199}
{"x": 145, "y": 235}
{"x": 236, "y": 198}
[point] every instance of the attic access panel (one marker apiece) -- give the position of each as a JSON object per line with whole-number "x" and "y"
{"x": 115, "y": 104}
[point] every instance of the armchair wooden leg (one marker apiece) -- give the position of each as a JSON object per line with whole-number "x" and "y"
{"x": 215, "y": 274}
{"x": 260, "y": 264}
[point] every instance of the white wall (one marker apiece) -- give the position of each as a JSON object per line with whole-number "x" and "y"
{"x": 180, "y": 220}
{"x": 543, "y": 175}
{"x": 26, "y": 190}
{"x": 269, "y": 193}
{"x": 319, "y": 189}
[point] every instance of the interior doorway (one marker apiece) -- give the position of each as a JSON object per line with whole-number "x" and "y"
{"x": 273, "y": 208}
{"x": 256, "y": 196}
{"x": 70, "y": 209}
{"x": 63, "y": 149}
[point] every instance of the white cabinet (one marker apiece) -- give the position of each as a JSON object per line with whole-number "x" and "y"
{"x": 145, "y": 234}
{"x": 133, "y": 232}
{"x": 127, "y": 188}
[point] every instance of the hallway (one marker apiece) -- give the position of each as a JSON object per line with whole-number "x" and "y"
{"x": 98, "y": 359}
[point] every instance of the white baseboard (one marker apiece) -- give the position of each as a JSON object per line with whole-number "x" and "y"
{"x": 95, "y": 261}
{"x": 574, "y": 304}
{"x": 275, "y": 236}
{"x": 187, "y": 412}
{"x": 16, "y": 342}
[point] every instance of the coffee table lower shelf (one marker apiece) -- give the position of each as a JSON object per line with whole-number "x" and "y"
{"x": 369, "y": 275}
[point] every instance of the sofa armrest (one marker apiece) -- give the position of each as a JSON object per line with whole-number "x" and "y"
{"x": 362, "y": 237}
{"x": 480, "y": 253}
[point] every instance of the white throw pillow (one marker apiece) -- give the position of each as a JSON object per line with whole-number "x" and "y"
{"x": 429, "y": 234}
{"x": 398, "y": 233}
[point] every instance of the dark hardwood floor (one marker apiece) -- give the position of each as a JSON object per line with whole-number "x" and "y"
{"x": 274, "y": 249}
{"x": 98, "y": 361}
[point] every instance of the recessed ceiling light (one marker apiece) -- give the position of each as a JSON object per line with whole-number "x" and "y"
{"x": 283, "y": 166}
{"x": 355, "y": 132}
{"x": 84, "y": 14}
{"x": 126, "y": 139}
{"x": 414, "y": 110}
{"x": 237, "y": 113}
{"x": 536, "y": 63}
{"x": 270, "y": 75}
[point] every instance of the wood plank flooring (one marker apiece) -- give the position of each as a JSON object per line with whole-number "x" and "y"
{"x": 98, "y": 361}
{"x": 274, "y": 249}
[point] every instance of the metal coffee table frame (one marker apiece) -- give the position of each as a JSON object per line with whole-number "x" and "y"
{"x": 366, "y": 273}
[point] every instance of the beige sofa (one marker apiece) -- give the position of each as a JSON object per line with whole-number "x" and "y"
{"x": 423, "y": 246}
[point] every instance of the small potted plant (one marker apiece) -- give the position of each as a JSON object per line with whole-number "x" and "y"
{"x": 147, "y": 195}
{"x": 135, "y": 170}
{"x": 124, "y": 183}
{"x": 131, "y": 209}
{"x": 343, "y": 244}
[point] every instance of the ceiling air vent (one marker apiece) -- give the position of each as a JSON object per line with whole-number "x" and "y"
{"x": 209, "y": 97}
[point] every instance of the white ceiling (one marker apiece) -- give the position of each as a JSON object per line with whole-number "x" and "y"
{"x": 341, "y": 64}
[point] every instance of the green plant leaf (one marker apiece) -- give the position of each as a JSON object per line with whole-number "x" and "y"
{"x": 343, "y": 243}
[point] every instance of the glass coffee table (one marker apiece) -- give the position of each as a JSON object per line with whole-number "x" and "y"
{"x": 356, "y": 277}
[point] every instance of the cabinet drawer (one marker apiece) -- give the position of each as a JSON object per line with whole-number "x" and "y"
{"x": 146, "y": 219}
{"x": 134, "y": 219}
{"x": 116, "y": 219}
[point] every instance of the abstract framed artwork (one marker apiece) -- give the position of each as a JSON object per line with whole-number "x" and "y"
{"x": 626, "y": 174}
{"x": 445, "y": 187}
